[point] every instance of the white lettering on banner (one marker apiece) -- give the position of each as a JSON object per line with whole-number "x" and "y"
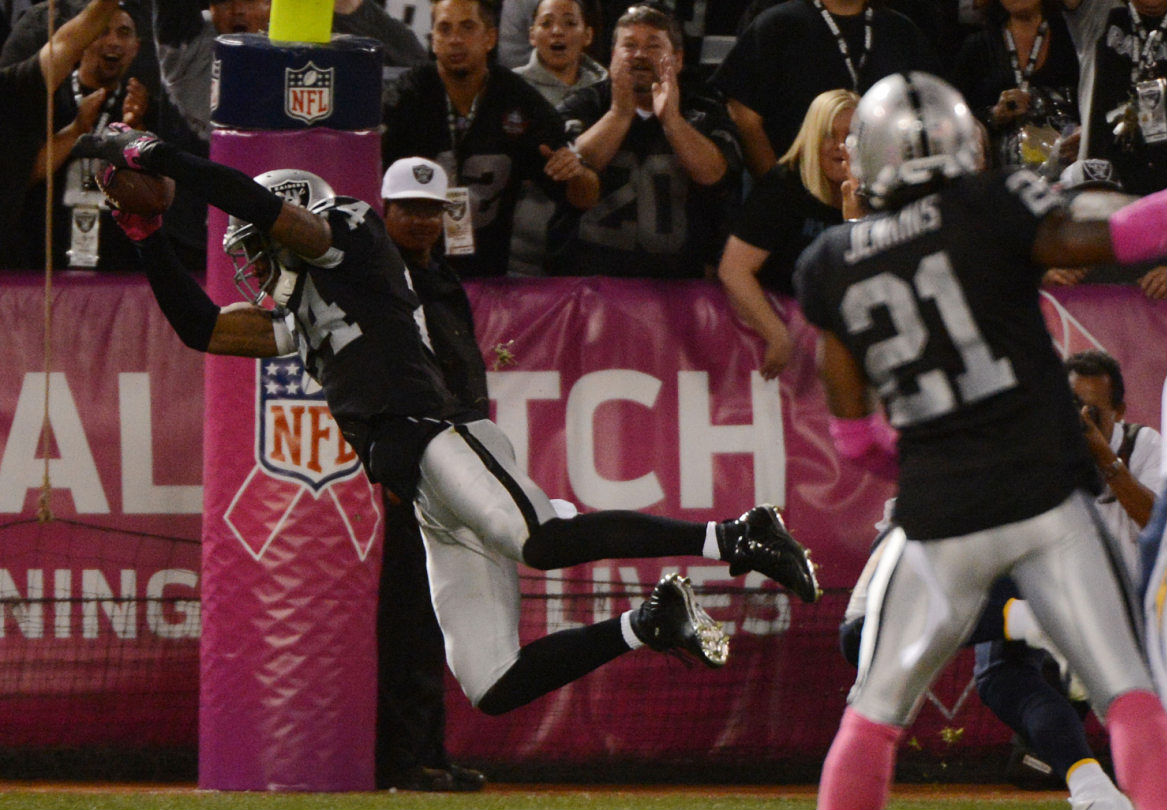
{"x": 602, "y": 582}
{"x": 700, "y": 440}
{"x": 62, "y": 591}
{"x": 165, "y": 617}
{"x": 587, "y": 395}
{"x": 766, "y": 610}
{"x": 761, "y": 603}
{"x": 187, "y": 622}
{"x": 30, "y": 614}
{"x": 121, "y": 613}
{"x": 140, "y": 495}
{"x": 511, "y": 391}
{"x": 74, "y": 468}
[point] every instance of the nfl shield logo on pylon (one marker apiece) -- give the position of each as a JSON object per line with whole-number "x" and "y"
{"x": 308, "y": 92}
{"x": 297, "y": 438}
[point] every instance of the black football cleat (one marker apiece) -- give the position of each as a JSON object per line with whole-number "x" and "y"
{"x": 451, "y": 779}
{"x": 670, "y": 620}
{"x": 759, "y": 541}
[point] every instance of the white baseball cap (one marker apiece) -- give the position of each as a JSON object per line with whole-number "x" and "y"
{"x": 1090, "y": 173}
{"x": 414, "y": 178}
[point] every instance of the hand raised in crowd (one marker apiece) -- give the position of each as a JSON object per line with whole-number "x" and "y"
{"x": 1154, "y": 283}
{"x": 88, "y": 111}
{"x": 136, "y": 101}
{"x": 1013, "y": 104}
{"x": 562, "y": 164}
{"x": 623, "y": 85}
{"x": 853, "y": 207}
{"x": 1099, "y": 445}
{"x": 666, "y": 92}
{"x": 1068, "y": 145}
{"x": 779, "y": 350}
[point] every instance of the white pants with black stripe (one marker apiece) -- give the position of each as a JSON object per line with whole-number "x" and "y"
{"x": 925, "y": 597}
{"x": 476, "y": 509}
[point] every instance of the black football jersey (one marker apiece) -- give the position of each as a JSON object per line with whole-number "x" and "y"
{"x": 939, "y": 302}
{"x": 1141, "y": 166}
{"x": 359, "y": 326}
{"x": 492, "y": 158}
{"x": 781, "y": 217}
{"x": 651, "y": 219}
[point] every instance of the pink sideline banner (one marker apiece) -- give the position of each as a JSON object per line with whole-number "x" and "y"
{"x": 615, "y": 393}
{"x": 99, "y": 609}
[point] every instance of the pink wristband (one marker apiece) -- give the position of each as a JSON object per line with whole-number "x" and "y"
{"x": 1138, "y": 232}
{"x": 870, "y": 442}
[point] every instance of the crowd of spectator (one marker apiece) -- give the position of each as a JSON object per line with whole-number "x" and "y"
{"x": 671, "y": 139}
{"x": 590, "y": 137}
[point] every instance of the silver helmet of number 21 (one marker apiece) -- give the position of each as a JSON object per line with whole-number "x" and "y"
{"x": 263, "y": 266}
{"x": 910, "y": 132}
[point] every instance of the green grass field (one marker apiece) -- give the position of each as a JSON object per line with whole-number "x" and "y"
{"x": 38, "y": 796}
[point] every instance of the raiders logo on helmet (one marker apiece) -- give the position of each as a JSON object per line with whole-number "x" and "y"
{"x": 294, "y": 191}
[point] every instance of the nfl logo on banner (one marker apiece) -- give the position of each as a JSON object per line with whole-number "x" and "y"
{"x": 298, "y": 438}
{"x": 308, "y": 92}
{"x": 304, "y": 467}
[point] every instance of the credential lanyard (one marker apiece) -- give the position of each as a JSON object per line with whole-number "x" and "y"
{"x": 1021, "y": 77}
{"x": 1148, "y": 44}
{"x": 111, "y": 103}
{"x": 459, "y": 126}
{"x": 852, "y": 68}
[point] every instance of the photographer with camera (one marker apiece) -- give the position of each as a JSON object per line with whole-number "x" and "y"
{"x": 1127, "y": 454}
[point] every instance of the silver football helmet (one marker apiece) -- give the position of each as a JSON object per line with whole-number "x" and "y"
{"x": 911, "y": 131}
{"x": 264, "y": 267}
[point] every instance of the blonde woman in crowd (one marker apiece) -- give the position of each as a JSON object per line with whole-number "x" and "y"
{"x": 790, "y": 205}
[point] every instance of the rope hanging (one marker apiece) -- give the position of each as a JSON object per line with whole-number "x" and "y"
{"x": 44, "y": 512}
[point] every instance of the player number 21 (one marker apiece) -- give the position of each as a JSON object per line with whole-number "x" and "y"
{"x": 983, "y": 375}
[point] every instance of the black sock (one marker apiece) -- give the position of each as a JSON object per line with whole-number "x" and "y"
{"x": 610, "y": 535}
{"x": 553, "y": 661}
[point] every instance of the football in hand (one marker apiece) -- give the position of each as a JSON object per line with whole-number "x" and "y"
{"x": 135, "y": 191}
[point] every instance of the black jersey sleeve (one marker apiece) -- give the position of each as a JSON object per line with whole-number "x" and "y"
{"x": 710, "y": 117}
{"x": 23, "y": 86}
{"x": 766, "y": 205}
{"x": 580, "y": 109}
{"x": 1020, "y": 200}
{"x": 546, "y": 128}
{"x": 737, "y": 76}
{"x": 808, "y": 271}
{"x": 177, "y": 22}
{"x": 399, "y": 116}
{"x": 358, "y": 235}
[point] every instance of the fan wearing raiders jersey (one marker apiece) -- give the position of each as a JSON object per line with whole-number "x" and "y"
{"x": 1128, "y": 117}
{"x": 933, "y": 305}
{"x": 668, "y": 159}
{"x": 486, "y": 127}
{"x": 345, "y": 299}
